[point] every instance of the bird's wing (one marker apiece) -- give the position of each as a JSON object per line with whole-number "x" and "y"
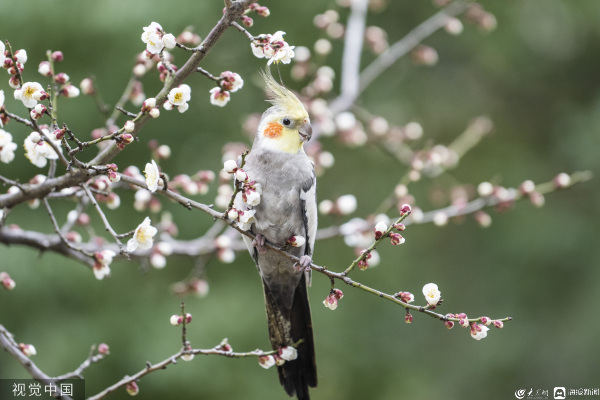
{"x": 308, "y": 202}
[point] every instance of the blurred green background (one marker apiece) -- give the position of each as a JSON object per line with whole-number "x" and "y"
{"x": 536, "y": 76}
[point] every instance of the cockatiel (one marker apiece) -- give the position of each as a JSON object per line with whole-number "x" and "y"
{"x": 287, "y": 208}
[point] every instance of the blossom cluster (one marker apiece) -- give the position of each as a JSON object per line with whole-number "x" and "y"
{"x": 286, "y": 353}
{"x": 272, "y": 47}
{"x": 38, "y": 148}
{"x": 157, "y": 39}
{"x": 254, "y": 7}
{"x": 331, "y": 301}
{"x": 229, "y": 82}
{"x": 250, "y": 195}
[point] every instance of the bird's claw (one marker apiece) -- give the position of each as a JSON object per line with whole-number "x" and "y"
{"x": 303, "y": 264}
{"x": 259, "y": 243}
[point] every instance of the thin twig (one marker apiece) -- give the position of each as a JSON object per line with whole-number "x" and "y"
{"x": 59, "y": 233}
{"x": 107, "y": 225}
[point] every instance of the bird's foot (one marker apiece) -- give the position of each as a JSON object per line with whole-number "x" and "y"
{"x": 303, "y": 264}
{"x": 259, "y": 243}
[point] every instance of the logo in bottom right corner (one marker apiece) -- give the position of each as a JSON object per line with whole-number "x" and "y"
{"x": 560, "y": 393}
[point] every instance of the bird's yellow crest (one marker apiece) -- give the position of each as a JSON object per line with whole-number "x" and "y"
{"x": 283, "y": 98}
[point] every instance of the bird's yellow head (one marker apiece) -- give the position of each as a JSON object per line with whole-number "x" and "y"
{"x": 285, "y": 126}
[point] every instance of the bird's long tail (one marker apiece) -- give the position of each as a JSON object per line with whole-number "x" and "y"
{"x": 287, "y": 327}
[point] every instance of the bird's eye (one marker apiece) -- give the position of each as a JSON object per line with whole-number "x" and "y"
{"x": 286, "y": 121}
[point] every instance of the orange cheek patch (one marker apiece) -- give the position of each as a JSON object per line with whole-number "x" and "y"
{"x": 273, "y": 130}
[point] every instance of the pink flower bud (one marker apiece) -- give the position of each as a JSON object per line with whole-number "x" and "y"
{"x": 83, "y": 219}
{"x": 262, "y": 11}
{"x": 247, "y": 21}
{"x": 449, "y": 324}
{"x": 364, "y": 263}
{"x": 396, "y": 238}
{"x": 103, "y": 349}
{"x": 380, "y": 229}
{"x": 408, "y": 318}
{"x": 527, "y": 187}
{"x": 176, "y": 319}
{"x": 27, "y": 349}
{"x": 57, "y": 56}
{"x": 562, "y": 180}
{"x": 59, "y": 133}
{"x": 400, "y": 227}
{"x": 61, "y": 78}
{"x": 498, "y": 324}
{"x": 188, "y": 318}
{"x": 126, "y": 138}
{"x": 132, "y": 389}
{"x": 406, "y": 297}
{"x": 485, "y": 320}
{"x": 14, "y": 82}
{"x": 337, "y": 293}
{"x": 405, "y": 209}
{"x": 6, "y": 281}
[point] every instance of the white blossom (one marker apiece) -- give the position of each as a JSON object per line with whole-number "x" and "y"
{"x": 288, "y": 353}
{"x": 142, "y": 237}
{"x": 2, "y": 50}
{"x": 152, "y": 36}
{"x": 152, "y": 176}
{"x": 432, "y": 294}
{"x": 219, "y": 97}
{"x": 7, "y": 147}
{"x": 180, "y": 95}
{"x": 169, "y": 41}
{"x": 39, "y": 151}
{"x": 29, "y": 93}
{"x": 21, "y": 56}
{"x": 266, "y": 361}
{"x": 479, "y": 331}
{"x": 230, "y": 166}
{"x": 247, "y": 219}
{"x": 252, "y": 198}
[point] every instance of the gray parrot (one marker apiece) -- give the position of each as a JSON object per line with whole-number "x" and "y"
{"x": 285, "y": 215}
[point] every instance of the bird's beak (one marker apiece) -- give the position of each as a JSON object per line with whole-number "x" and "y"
{"x": 305, "y": 132}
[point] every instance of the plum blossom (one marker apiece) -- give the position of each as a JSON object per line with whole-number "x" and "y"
{"x": 273, "y": 47}
{"x": 231, "y": 81}
{"x": 101, "y": 267}
{"x": 288, "y": 353}
{"x": 296, "y": 241}
{"x": 30, "y": 94}
{"x": 178, "y": 97}
{"x": 27, "y": 349}
{"x": 246, "y": 219}
{"x": 152, "y": 176}
{"x": 142, "y": 237}
{"x": 7, "y": 147}
{"x": 331, "y": 301}
{"x": 2, "y": 50}
{"x": 39, "y": 151}
{"x": 152, "y": 36}
{"x": 432, "y": 294}
{"x": 479, "y": 331}
{"x": 266, "y": 361}
{"x": 219, "y": 97}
